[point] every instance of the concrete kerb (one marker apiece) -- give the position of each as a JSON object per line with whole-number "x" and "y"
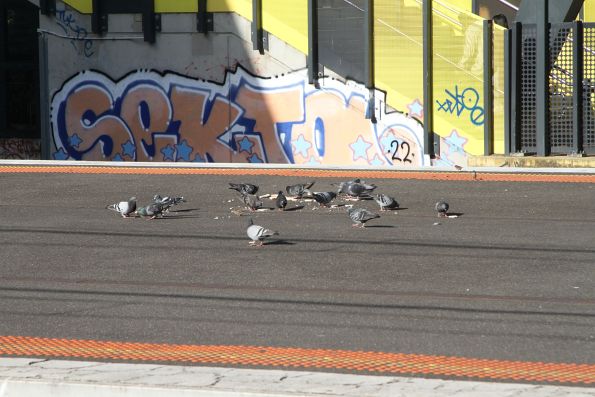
{"x": 59, "y": 378}
{"x": 240, "y": 166}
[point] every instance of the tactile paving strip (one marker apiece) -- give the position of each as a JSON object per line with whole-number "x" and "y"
{"x": 315, "y": 173}
{"x": 299, "y": 358}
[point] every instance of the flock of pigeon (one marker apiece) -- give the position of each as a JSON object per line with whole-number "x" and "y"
{"x": 353, "y": 190}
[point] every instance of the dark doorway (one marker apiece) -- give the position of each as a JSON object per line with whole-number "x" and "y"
{"x": 19, "y": 72}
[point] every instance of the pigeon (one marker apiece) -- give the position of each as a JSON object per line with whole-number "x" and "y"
{"x": 343, "y": 185}
{"x": 359, "y": 189}
{"x": 360, "y": 216}
{"x": 151, "y": 211}
{"x": 324, "y": 198}
{"x": 244, "y": 188}
{"x": 258, "y": 233}
{"x": 281, "y": 201}
{"x": 167, "y": 202}
{"x": 386, "y": 202}
{"x": 299, "y": 190}
{"x": 252, "y": 202}
{"x": 442, "y": 208}
{"x": 125, "y": 208}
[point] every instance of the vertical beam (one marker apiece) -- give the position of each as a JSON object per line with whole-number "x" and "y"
{"x": 149, "y": 21}
{"x": 313, "y": 42}
{"x": 44, "y": 98}
{"x": 369, "y": 43}
{"x": 516, "y": 105}
{"x": 428, "y": 72}
{"x": 542, "y": 79}
{"x": 204, "y": 19}
{"x": 257, "y": 36}
{"x": 475, "y": 7}
{"x": 47, "y": 7}
{"x": 488, "y": 88}
{"x": 97, "y": 18}
{"x": 507, "y": 91}
{"x": 3, "y": 82}
{"x": 577, "y": 96}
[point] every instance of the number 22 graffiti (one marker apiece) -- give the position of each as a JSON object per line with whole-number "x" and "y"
{"x": 404, "y": 145}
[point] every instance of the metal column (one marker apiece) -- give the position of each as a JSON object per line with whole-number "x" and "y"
{"x": 577, "y": 98}
{"x": 44, "y": 99}
{"x": 542, "y": 79}
{"x": 313, "y": 42}
{"x": 515, "y": 87}
{"x": 488, "y": 88}
{"x": 428, "y": 72}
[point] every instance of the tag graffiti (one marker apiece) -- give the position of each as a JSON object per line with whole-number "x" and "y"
{"x": 465, "y": 101}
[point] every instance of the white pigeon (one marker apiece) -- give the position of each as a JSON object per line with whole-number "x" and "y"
{"x": 258, "y": 233}
{"x": 124, "y": 208}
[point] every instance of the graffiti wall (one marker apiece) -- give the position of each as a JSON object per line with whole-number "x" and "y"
{"x": 148, "y": 116}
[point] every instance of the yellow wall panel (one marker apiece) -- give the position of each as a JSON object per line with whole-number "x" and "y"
{"x": 589, "y": 11}
{"x": 82, "y": 6}
{"x": 175, "y": 6}
{"x": 288, "y": 20}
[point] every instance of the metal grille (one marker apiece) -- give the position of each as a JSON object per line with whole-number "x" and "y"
{"x": 561, "y": 89}
{"x": 529, "y": 88}
{"x": 589, "y": 89}
{"x": 341, "y": 25}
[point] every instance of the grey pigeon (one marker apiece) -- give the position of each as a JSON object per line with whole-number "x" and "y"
{"x": 168, "y": 201}
{"x": 244, "y": 188}
{"x": 281, "y": 201}
{"x": 344, "y": 185}
{"x": 359, "y": 189}
{"x": 151, "y": 211}
{"x": 386, "y": 202}
{"x": 360, "y": 216}
{"x": 299, "y": 189}
{"x": 324, "y": 198}
{"x": 442, "y": 208}
{"x": 252, "y": 202}
{"x": 124, "y": 208}
{"x": 258, "y": 233}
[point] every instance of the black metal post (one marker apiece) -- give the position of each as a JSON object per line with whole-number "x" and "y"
{"x": 369, "y": 43}
{"x": 428, "y": 72}
{"x": 3, "y": 79}
{"x": 257, "y": 35}
{"x": 44, "y": 98}
{"x": 577, "y": 96}
{"x": 488, "y": 88}
{"x": 47, "y": 7}
{"x": 516, "y": 105}
{"x": 313, "y": 42}
{"x": 204, "y": 19}
{"x": 475, "y": 7}
{"x": 542, "y": 79}
{"x": 507, "y": 91}
{"x": 150, "y": 20}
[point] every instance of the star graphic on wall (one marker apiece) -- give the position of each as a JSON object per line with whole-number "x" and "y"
{"x": 255, "y": 159}
{"x": 168, "y": 153}
{"x": 246, "y": 145}
{"x": 416, "y": 108}
{"x": 184, "y": 151}
{"x": 455, "y": 141}
{"x": 60, "y": 155}
{"x": 312, "y": 161}
{"x": 75, "y": 141}
{"x": 117, "y": 157}
{"x": 198, "y": 159}
{"x": 360, "y": 148}
{"x": 387, "y": 142}
{"x": 128, "y": 149}
{"x": 376, "y": 161}
{"x": 301, "y": 146}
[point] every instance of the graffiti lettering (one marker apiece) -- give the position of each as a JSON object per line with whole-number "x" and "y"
{"x": 153, "y": 117}
{"x": 72, "y": 29}
{"x": 467, "y": 100}
{"x": 404, "y": 145}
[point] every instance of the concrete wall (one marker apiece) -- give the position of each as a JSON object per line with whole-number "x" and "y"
{"x": 208, "y": 98}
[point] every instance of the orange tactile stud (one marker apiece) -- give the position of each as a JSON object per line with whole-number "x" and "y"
{"x": 300, "y": 172}
{"x": 276, "y": 357}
